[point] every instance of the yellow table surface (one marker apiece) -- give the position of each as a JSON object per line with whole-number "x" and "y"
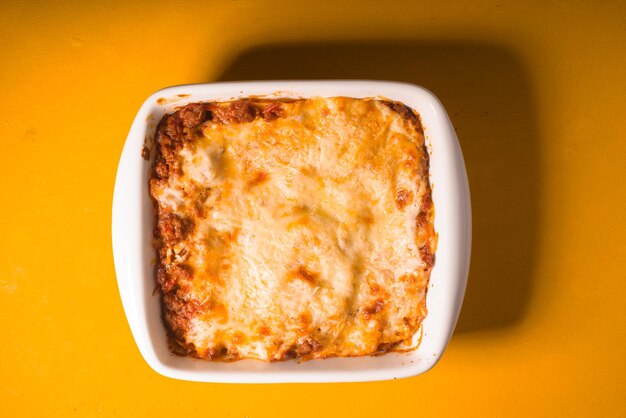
{"x": 536, "y": 91}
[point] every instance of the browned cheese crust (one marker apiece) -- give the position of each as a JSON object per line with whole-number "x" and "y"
{"x": 292, "y": 228}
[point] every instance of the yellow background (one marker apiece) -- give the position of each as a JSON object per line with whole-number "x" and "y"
{"x": 536, "y": 90}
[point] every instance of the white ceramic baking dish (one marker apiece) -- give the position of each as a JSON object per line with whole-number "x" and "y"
{"x": 133, "y": 253}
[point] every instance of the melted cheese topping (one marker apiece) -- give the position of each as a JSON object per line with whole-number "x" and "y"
{"x": 304, "y": 240}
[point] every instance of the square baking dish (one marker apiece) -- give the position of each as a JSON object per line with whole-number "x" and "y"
{"x": 133, "y": 222}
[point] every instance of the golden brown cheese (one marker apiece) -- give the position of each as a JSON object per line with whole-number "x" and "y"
{"x": 292, "y": 229}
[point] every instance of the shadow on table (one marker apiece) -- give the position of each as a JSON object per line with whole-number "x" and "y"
{"x": 488, "y": 95}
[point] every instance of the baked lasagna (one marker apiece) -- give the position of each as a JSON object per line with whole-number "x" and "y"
{"x": 292, "y": 228}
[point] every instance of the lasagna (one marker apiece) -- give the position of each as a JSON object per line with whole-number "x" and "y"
{"x": 292, "y": 229}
